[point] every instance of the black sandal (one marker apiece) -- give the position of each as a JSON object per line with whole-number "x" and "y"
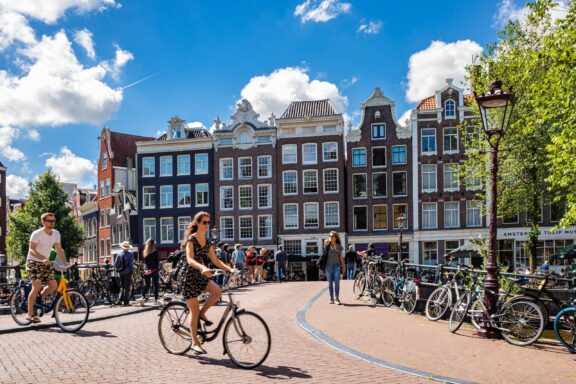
{"x": 206, "y": 321}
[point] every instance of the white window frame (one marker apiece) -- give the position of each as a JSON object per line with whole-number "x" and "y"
{"x": 452, "y": 116}
{"x": 268, "y": 167}
{"x": 353, "y": 184}
{"x": 207, "y": 195}
{"x": 162, "y": 225}
{"x": 354, "y": 226}
{"x": 147, "y": 226}
{"x": 395, "y": 195}
{"x": 385, "y": 157}
{"x": 284, "y": 183}
{"x": 240, "y": 227}
{"x": 365, "y": 157}
{"x": 179, "y": 171}
{"x": 222, "y": 166}
{"x": 200, "y": 171}
{"x": 145, "y": 167}
{"x": 405, "y": 154}
{"x": 394, "y": 222}
{"x": 284, "y": 216}
{"x": 104, "y": 160}
{"x": 171, "y": 158}
{"x": 374, "y": 184}
{"x": 312, "y": 226}
{"x": 372, "y": 131}
{"x": 223, "y": 228}
{"x": 260, "y": 227}
{"x": 324, "y": 181}
{"x": 428, "y": 174}
{"x": 180, "y": 219}
{"x": 285, "y": 148}
{"x": 470, "y": 208}
{"x": 240, "y": 197}
{"x": 268, "y": 196}
{"x": 144, "y": 199}
{"x": 428, "y": 153}
{"x": 450, "y": 151}
{"x": 374, "y": 214}
{"x": 424, "y": 250}
{"x": 324, "y": 145}
{"x": 429, "y": 216}
{"x": 450, "y": 212}
{"x": 309, "y": 161}
{"x": 163, "y": 192}
{"x": 326, "y": 224}
{"x": 444, "y": 173}
{"x": 315, "y": 173}
{"x": 179, "y": 192}
{"x": 240, "y": 159}
{"x": 222, "y": 205}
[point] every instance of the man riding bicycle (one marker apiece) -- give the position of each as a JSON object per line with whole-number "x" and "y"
{"x": 38, "y": 264}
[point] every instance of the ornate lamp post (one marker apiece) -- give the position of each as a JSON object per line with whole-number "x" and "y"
{"x": 401, "y": 222}
{"x": 495, "y": 109}
{"x": 214, "y": 234}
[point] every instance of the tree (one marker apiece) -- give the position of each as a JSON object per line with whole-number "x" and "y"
{"x": 46, "y": 195}
{"x": 520, "y": 61}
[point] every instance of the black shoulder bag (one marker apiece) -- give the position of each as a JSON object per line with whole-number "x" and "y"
{"x": 321, "y": 262}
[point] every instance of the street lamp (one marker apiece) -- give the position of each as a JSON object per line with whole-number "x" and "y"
{"x": 401, "y": 221}
{"x": 214, "y": 232}
{"x": 495, "y": 110}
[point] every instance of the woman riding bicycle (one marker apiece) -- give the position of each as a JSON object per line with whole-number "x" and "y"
{"x": 194, "y": 277}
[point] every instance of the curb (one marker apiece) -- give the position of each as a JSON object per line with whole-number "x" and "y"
{"x": 26, "y": 328}
{"x": 304, "y": 324}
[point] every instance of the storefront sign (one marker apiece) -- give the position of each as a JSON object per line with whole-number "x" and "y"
{"x": 546, "y": 233}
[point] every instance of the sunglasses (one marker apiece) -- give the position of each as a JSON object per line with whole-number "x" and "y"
{"x": 204, "y": 222}
{"x": 50, "y": 221}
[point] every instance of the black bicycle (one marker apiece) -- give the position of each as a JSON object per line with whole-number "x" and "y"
{"x": 246, "y": 337}
{"x": 100, "y": 285}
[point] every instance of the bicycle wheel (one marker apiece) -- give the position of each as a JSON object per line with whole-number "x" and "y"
{"x": 476, "y": 313}
{"x": 246, "y": 339}
{"x": 174, "y": 328}
{"x": 90, "y": 291}
{"x": 376, "y": 293}
{"x": 438, "y": 303}
{"x": 19, "y": 306}
{"x": 459, "y": 312}
{"x": 388, "y": 292}
{"x": 72, "y": 314}
{"x": 521, "y": 322}
{"x": 565, "y": 328}
{"x": 409, "y": 296}
{"x": 359, "y": 285}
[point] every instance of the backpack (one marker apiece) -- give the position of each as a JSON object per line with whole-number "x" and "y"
{"x": 119, "y": 264}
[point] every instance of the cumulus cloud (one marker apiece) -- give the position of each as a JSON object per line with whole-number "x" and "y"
{"x": 370, "y": 28}
{"x": 274, "y": 92}
{"x": 7, "y": 136}
{"x": 14, "y": 28}
{"x": 405, "y": 118}
{"x": 71, "y": 168}
{"x": 17, "y": 187}
{"x": 83, "y": 38}
{"x": 121, "y": 58}
{"x": 321, "y": 11}
{"x": 50, "y": 11}
{"x": 428, "y": 69}
{"x": 508, "y": 11}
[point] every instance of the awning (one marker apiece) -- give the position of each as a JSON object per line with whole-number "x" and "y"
{"x": 466, "y": 250}
{"x": 568, "y": 253}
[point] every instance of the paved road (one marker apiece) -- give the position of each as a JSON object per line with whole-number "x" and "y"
{"x": 127, "y": 349}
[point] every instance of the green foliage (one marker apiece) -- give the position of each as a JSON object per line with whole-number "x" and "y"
{"x": 46, "y": 195}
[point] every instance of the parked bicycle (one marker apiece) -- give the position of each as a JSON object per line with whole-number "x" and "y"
{"x": 565, "y": 326}
{"x": 246, "y": 337}
{"x": 442, "y": 297}
{"x": 101, "y": 285}
{"x": 368, "y": 281}
{"x": 401, "y": 287}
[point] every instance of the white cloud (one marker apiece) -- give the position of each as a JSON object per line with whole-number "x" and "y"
{"x": 17, "y": 187}
{"x": 372, "y": 28}
{"x": 508, "y": 11}
{"x": 84, "y": 39}
{"x": 349, "y": 82}
{"x": 274, "y": 92}
{"x": 405, "y": 118}
{"x": 52, "y": 10}
{"x": 121, "y": 58}
{"x": 428, "y": 69}
{"x": 7, "y": 136}
{"x": 33, "y": 135}
{"x": 71, "y": 168}
{"x": 14, "y": 27}
{"x": 321, "y": 11}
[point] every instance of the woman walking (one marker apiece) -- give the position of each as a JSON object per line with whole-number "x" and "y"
{"x": 334, "y": 265}
{"x": 150, "y": 271}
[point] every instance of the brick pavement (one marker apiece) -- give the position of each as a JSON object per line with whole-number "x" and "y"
{"x": 127, "y": 349}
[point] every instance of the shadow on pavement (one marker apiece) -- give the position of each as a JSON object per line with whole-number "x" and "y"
{"x": 280, "y": 372}
{"x": 84, "y": 333}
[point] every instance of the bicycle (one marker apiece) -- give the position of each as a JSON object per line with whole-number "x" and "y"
{"x": 368, "y": 282}
{"x": 442, "y": 298}
{"x": 399, "y": 286}
{"x": 70, "y": 306}
{"x": 100, "y": 286}
{"x": 565, "y": 327}
{"x": 246, "y": 337}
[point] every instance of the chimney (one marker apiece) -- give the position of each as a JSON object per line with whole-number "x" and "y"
{"x": 129, "y": 163}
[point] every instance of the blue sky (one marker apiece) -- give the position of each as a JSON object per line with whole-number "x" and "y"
{"x": 63, "y": 65}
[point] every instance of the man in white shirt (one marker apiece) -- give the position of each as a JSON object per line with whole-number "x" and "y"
{"x": 37, "y": 263}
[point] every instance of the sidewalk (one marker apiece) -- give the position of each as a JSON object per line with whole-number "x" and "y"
{"x": 412, "y": 341}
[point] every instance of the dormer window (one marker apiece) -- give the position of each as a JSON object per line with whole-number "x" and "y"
{"x": 104, "y": 160}
{"x": 245, "y": 138}
{"x": 176, "y": 131}
{"x": 377, "y": 114}
{"x": 450, "y": 109}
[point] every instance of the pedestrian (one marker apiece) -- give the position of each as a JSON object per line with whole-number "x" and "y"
{"x": 280, "y": 263}
{"x": 334, "y": 265}
{"x": 38, "y": 264}
{"x": 251, "y": 263}
{"x": 350, "y": 257}
{"x": 260, "y": 259}
{"x": 124, "y": 264}
{"x": 545, "y": 267}
{"x": 239, "y": 261}
{"x": 150, "y": 271}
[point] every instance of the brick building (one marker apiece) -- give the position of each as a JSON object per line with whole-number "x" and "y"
{"x": 3, "y": 210}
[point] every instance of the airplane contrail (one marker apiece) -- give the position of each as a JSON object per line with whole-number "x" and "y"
{"x": 135, "y": 83}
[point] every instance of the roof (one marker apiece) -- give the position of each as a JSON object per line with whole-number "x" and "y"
{"x": 315, "y": 108}
{"x": 194, "y": 133}
{"x": 124, "y": 146}
{"x": 430, "y": 102}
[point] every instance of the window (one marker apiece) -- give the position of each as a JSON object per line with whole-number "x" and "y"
{"x": 184, "y": 195}
{"x": 202, "y": 195}
{"x": 473, "y": 214}
{"x": 176, "y": 130}
{"x": 102, "y": 218}
{"x": 378, "y": 131}
{"x": 451, "y": 176}
{"x": 226, "y": 141}
{"x": 108, "y": 247}
{"x": 227, "y": 228}
{"x": 429, "y": 178}
{"x": 245, "y": 168}
{"x": 379, "y": 156}
{"x": 226, "y": 169}
{"x": 513, "y": 219}
{"x": 183, "y": 166}
{"x": 290, "y": 216}
{"x": 311, "y": 215}
{"x": 429, "y": 216}
{"x": 293, "y": 247}
{"x": 360, "y": 219}
{"x": 429, "y": 141}
{"x": 226, "y": 198}
{"x": 264, "y": 167}
{"x": 450, "y": 140}
{"x": 246, "y": 228}
{"x": 265, "y": 227}
{"x": 102, "y": 191}
{"x": 379, "y": 184}
{"x": 359, "y": 157}
{"x": 264, "y": 196}
{"x": 264, "y": 139}
{"x": 399, "y": 210}
{"x": 166, "y": 196}
{"x": 309, "y": 155}
{"x": 290, "y": 182}
{"x": 377, "y": 114}
{"x": 330, "y": 180}
{"x": 450, "y": 245}
{"x": 289, "y": 154}
{"x": 182, "y": 225}
{"x": 399, "y": 184}
{"x": 148, "y": 167}
{"x": 359, "y": 185}
{"x": 430, "y": 252}
{"x": 311, "y": 248}
{"x": 399, "y": 154}
{"x": 380, "y": 216}
{"x": 245, "y": 138}
{"x": 149, "y": 197}
{"x": 166, "y": 166}
{"x": 104, "y": 160}
{"x": 450, "y": 109}
{"x": 102, "y": 248}
{"x": 107, "y": 187}
{"x": 473, "y": 179}
{"x": 472, "y": 138}
{"x": 245, "y": 196}
{"x": 452, "y": 214}
{"x": 557, "y": 210}
{"x": 310, "y": 180}
{"x": 166, "y": 230}
{"x": 330, "y": 152}
{"x": 331, "y": 214}
{"x": 201, "y": 164}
